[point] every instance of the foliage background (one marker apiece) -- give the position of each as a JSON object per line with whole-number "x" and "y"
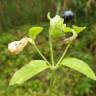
{"x": 16, "y": 16}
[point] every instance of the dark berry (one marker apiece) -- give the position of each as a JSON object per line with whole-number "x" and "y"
{"x": 68, "y": 17}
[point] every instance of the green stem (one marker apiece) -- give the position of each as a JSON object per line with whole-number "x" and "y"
{"x": 40, "y": 53}
{"x": 58, "y": 8}
{"x": 51, "y": 49}
{"x": 52, "y": 83}
{"x": 64, "y": 53}
{"x": 67, "y": 47}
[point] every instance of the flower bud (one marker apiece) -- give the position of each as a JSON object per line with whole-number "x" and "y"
{"x": 17, "y": 46}
{"x": 56, "y": 26}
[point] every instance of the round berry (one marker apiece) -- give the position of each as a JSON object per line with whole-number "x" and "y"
{"x": 68, "y": 17}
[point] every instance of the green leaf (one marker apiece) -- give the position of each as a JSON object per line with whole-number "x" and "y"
{"x": 67, "y": 29}
{"x": 79, "y": 66}
{"x": 28, "y": 71}
{"x": 34, "y": 31}
{"x": 78, "y": 29}
{"x": 48, "y": 16}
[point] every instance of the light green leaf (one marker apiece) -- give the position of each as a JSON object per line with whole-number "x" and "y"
{"x": 67, "y": 29}
{"x": 48, "y": 16}
{"x": 78, "y": 29}
{"x": 34, "y": 31}
{"x": 79, "y": 66}
{"x": 28, "y": 71}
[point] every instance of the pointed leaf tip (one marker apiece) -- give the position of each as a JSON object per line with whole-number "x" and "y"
{"x": 48, "y": 16}
{"x": 28, "y": 71}
{"x": 79, "y": 66}
{"x": 78, "y": 29}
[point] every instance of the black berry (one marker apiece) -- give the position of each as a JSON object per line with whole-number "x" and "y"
{"x": 68, "y": 17}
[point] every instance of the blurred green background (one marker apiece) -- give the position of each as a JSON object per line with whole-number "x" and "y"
{"x": 17, "y": 16}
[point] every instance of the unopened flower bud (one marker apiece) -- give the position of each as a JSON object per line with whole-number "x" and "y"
{"x": 17, "y": 46}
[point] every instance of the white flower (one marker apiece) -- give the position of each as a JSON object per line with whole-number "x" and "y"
{"x": 57, "y": 26}
{"x": 55, "y": 20}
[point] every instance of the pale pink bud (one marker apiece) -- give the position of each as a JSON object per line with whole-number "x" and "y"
{"x": 17, "y": 46}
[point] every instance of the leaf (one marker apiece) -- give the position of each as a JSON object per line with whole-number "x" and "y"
{"x": 79, "y": 66}
{"x": 34, "y": 31}
{"x": 28, "y": 71}
{"x": 67, "y": 29}
{"x": 48, "y": 16}
{"x": 78, "y": 29}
